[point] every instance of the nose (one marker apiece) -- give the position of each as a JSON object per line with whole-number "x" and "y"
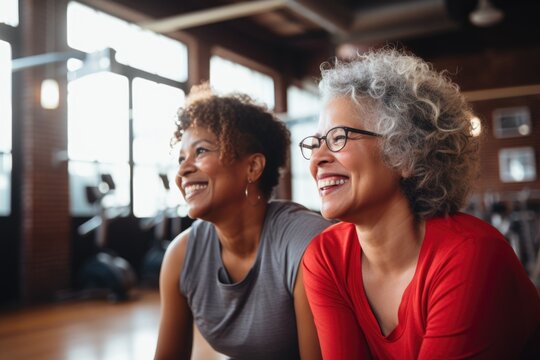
{"x": 321, "y": 150}
{"x": 186, "y": 167}
{"x": 319, "y": 157}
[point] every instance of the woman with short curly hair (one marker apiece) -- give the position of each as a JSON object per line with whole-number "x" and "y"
{"x": 236, "y": 271}
{"x": 242, "y": 127}
{"x": 405, "y": 274}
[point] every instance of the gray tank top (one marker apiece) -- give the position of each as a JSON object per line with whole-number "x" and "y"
{"x": 254, "y": 318}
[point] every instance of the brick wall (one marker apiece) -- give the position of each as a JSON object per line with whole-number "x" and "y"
{"x": 483, "y": 71}
{"x": 489, "y": 180}
{"x": 45, "y": 221}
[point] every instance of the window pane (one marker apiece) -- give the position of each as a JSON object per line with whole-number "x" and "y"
{"x": 9, "y": 12}
{"x": 90, "y": 30}
{"x": 154, "y": 114}
{"x": 227, "y": 76}
{"x": 151, "y": 196}
{"x": 301, "y": 103}
{"x": 98, "y": 118}
{"x": 303, "y": 108}
{"x": 98, "y": 138}
{"x": 5, "y": 97}
{"x": 5, "y": 128}
{"x": 5, "y": 184}
{"x": 304, "y": 189}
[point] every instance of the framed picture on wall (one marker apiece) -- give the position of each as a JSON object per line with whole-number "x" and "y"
{"x": 517, "y": 164}
{"x": 511, "y": 122}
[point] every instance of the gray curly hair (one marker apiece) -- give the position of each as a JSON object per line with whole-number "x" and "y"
{"x": 424, "y": 122}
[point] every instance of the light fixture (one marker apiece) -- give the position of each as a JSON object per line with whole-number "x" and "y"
{"x": 485, "y": 14}
{"x": 50, "y": 91}
{"x": 476, "y": 126}
{"x": 50, "y": 94}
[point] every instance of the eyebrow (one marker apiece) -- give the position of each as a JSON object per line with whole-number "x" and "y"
{"x": 201, "y": 141}
{"x": 195, "y": 143}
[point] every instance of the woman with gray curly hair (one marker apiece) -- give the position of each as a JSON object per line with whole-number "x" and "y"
{"x": 405, "y": 274}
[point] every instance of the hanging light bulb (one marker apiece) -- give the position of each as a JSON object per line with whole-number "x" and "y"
{"x": 50, "y": 91}
{"x": 485, "y": 14}
{"x": 50, "y": 94}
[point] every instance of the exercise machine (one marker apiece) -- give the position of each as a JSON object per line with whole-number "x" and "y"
{"x": 105, "y": 271}
{"x": 165, "y": 223}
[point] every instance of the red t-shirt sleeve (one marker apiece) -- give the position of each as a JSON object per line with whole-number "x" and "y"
{"x": 340, "y": 336}
{"x": 481, "y": 304}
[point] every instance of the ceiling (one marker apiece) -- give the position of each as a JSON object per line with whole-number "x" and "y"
{"x": 428, "y": 27}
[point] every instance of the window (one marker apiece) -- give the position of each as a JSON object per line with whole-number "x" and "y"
{"x": 9, "y": 12}
{"x": 154, "y": 109}
{"x": 511, "y": 122}
{"x": 5, "y": 128}
{"x": 517, "y": 164}
{"x": 98, "y": 137}
{"x": 302, "y": 120}
{"x": 101, "y": 138}
{"x": 227, "y": 76}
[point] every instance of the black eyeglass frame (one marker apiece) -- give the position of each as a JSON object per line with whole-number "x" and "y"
{"x": 320, "y": 139}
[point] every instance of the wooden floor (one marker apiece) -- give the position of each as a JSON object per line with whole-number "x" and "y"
{"x": 88, "y": 330}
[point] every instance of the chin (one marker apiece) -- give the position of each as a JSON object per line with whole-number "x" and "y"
{"x": 330, "y": 213}
{"x": 192, "y": 214}
{"x": 196, "y": 212}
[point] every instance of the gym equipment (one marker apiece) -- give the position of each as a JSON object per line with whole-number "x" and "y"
{"x": 166, "y": 221}
{"x": 517, "y": 215}
{"x": 105, "y": 271}
{"x": 501, "y": 219}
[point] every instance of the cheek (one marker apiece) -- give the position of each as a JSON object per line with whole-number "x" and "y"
{"x": 313, "y": 168}
{"x": 178, "y": 181}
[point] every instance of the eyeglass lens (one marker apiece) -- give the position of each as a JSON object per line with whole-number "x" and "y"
{"x": 335, "y": 140}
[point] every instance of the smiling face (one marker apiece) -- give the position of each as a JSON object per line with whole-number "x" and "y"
{"x": 354, "y": 183}
{"x": 209, "y": 186}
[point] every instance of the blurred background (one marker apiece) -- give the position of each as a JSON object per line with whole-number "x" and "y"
{"x": 89, "y": 90}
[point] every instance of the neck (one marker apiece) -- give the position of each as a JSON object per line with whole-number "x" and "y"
{"x": 391, "y": 240}
{"x": 239, "y": 231}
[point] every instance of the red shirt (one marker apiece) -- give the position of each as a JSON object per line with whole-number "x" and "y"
{"x": 469, "y": 297}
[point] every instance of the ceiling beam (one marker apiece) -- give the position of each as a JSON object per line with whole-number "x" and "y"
{"x": 204, "y": 17}
{"x": 415, "y": 11}
{"x": 324, "y": 14}
{"x": 394, "y": 21}
{"x": 398, "y": 21}
{"x": 328, "y": 15}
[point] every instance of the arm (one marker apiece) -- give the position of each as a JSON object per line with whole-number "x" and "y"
{"x": 307, "y": 334}
{"x": 176, "y": 325}
{"x": 340, "y": 335}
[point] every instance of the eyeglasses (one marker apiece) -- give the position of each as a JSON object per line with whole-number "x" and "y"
{"x": 335, "y": 139}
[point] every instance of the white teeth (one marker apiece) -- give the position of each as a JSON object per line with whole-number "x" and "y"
{"x": 331, "y": 182}
{"x": 190, "y": 189}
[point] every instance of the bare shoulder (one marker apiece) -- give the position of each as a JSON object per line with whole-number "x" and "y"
{"x": 176, "y": 251}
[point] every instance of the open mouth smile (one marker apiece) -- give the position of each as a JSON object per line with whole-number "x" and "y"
{"x": 193, "y": 189}
{"x": 330, "y": 184}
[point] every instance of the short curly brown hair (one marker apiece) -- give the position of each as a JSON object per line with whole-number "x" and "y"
{"x": 241, "y": 126}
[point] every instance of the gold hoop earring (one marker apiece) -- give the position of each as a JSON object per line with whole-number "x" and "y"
{"x": 246, "y": 193}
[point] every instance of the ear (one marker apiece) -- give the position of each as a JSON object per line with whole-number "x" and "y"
{"x": 406, "y": 173}
{"x": 256, "y": 164}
